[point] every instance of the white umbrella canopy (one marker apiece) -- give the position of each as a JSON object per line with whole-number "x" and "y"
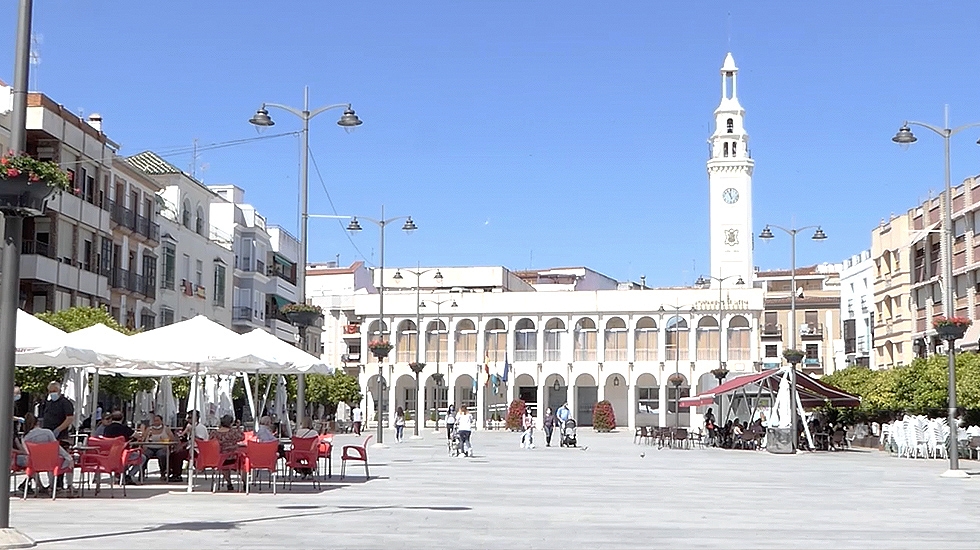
{"x": 109, "y": 343}
{"x": 42, "y": 345}
{"x": 296, "y": 361}
{"x": 197, "y": 343}
{"x": 166, "y": 404}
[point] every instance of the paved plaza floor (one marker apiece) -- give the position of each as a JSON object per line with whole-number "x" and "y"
{"x": 604, "y": 496}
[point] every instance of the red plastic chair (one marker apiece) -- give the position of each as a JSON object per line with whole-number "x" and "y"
{"x": 357, "y": 454}
{"x": 261, "y": 456}
{"x": 209, "y": 457}
{"x": 305, "y": 453}
{"x": 110, "y": 463}
{"x": 43, "y": 457}
{"x": 326, "y": 452}
{"x": 14, "y": 469}
{"x": 250, "y": 436}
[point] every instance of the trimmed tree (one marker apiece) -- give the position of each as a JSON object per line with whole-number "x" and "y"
{"x": 515, "y": 415}
{"x": 603, "y": 417}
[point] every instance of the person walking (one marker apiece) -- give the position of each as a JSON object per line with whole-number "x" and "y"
{"x": 549, "y": 426}
{"x": 357, "y": 416}
{"x": 450, "y": 421}
{"x": 399, "y": 424}
{"x": 527, "y": 438}
{"x": 464, "y": 425}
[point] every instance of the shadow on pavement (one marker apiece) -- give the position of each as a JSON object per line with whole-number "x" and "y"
{"x": 233, "y": 525}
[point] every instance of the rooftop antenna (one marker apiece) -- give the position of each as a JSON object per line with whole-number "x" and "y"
{"x": 194, "y": 159}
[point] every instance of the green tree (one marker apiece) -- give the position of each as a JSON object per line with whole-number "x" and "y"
{"x": 332, "y": 389}
{"x": 79, "y": 317}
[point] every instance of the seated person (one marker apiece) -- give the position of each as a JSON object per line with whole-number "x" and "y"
{"x": 264, "y": 434}
{"x": 116, "y": 428}
{"x": 34, "y": 433}
{"x": 228, "y": 439}
{"x": 305, "y": 431}
{"x": 100, "y": 428}
{"x": 157, "y": 431}
{"x": 178, "y": 457}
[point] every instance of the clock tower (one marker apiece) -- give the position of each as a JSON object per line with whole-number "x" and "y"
{"x": 730, "y": 186}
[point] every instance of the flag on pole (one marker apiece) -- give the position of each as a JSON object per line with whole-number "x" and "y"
{"x": 506, "y": 369}
{"x": 486, "y": 368}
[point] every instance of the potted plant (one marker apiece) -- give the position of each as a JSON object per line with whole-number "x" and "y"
{"x": 676, "y": 379}
{"x": 380, "y": 348}
{"x": 26, "y": 183}
{"x": 515, "y": 415}
{"x": 417, "y": 368}
{"x": 438, "y": 378}
{"x": 302, "y": 315}
{"x": 720, "y": 373}
{"x": 951, "y": 328}
{"x": 794, "y": 356}
{"x": 603, "y": 417}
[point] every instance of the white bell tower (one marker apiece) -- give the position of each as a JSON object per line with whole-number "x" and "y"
{"x": 730, "y": 186}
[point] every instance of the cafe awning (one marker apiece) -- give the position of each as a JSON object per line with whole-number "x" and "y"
{"x": 813, "y": 393}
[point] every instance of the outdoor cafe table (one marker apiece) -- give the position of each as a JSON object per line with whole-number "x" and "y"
{"x": 166, "y": 444}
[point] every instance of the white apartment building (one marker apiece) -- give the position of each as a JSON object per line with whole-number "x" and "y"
{"x": 67, "y": 253}
{"x": 195, "y": 259}
{"x": 135, "y": 237}
{"x": 251, "y": 245}
{"x": 857, "y": 278}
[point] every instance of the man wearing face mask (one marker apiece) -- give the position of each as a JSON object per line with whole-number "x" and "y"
{"x": 58, "y": 413}
{"x": 17, "y": 419}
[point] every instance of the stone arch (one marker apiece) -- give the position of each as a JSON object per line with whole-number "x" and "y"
{"x": 525, "y": 341}
{"x": 645, "y": 340}
{"x": 495, "y": 340}
{"x": 407, "y": 343}
{"x": 553, "y": 330}
{"x": 465, "y": 339}
{"x": 614, "y": 348}
{"x": 585, "y": 340}
{"x": 616, "y": 391}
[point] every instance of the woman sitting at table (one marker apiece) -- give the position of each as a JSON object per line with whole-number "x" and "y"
{"x": 228, "y": 438}
{"x": 157, "y": 432}
{"x": 34, "y": 433}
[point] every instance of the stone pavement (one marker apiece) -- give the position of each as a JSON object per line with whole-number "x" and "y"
{"x": 607, "y": 496}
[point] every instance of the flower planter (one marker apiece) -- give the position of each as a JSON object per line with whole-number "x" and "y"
{"x": 417, "y": 368}
{"x": 381, "y": 351}
{"x": 719, "y": 373}
{"x": 438, "y": 378}
{"x": 303, "y": 318}
{"x": 22, "y": 198}
{"x": 794, "y": 358}
{"x": 675, "y": 379}
{"x": 951, "y": 332}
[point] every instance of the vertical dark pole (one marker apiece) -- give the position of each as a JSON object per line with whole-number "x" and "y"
{"x": 10, "y": 263}
{"x": 9, "y": 296}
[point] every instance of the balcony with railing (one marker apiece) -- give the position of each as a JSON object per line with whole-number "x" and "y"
{"x": 39, "y": 248}
{"x": 772, "y": 330}
{"x": 811, "y": 331}
{"x": 242, "y": 313}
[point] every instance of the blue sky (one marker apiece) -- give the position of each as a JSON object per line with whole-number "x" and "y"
{"x": 533, "y": 134}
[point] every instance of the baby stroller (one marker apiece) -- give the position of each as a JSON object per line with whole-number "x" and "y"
{"x": 455, "y": 443}
{"x": 569, "y": 437}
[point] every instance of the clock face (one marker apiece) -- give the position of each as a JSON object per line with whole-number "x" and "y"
{"x": 730, "y": 195}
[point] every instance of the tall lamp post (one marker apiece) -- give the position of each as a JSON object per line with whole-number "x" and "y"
{"x": 418, "y": 328}
{"x": 905, "y": 137}
{"x": 382, "y": 224}
{"x": 721, "y": 372}
{"x": 767, "y": 235}
{"x": 348, "y": 120}
{"x": 10, "y": 282}
{"x": 676, "y": 379}
{"x": 439, "y": 332}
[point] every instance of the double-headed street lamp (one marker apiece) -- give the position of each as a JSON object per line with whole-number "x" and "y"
{"x": 675, "y": 379}
{"x": 721, "y": 372}
{"x": 382, "y": 224}
{"x": 418, "y": 331}
{"x": 767, "y": 235}
{"x": 905, "y": 137}
{"x": 348, "y": 121}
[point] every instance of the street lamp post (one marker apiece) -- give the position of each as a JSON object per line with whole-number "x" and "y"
{"x": 382, "y": 223}
{"x": 818, "y": 235}
{"x": 418, "y": 331}
{"x": 905, "y": 137}
{"x": 703, "y": 281}
{"x": 675, "y": 378}
{"x": 348, "y": 120}
{"x": 438, "y": 304}
{"x": 10, "y": 282}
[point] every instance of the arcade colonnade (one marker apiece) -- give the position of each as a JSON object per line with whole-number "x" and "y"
{"x": 550, "y": 359}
